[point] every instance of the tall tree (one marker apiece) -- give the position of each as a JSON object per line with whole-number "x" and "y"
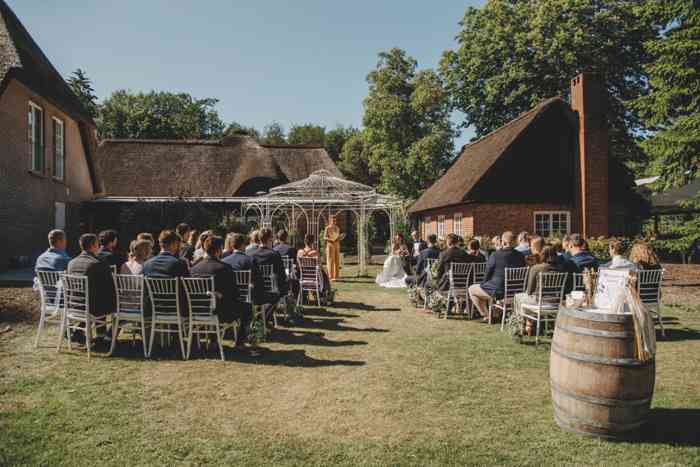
{"x": 407, "y": 136}
{"x": 354, "y": 161}
{"x": 307, "y": 134}
{"x": 511, "y": 54}
{"x": 273, "y": 133}
{"x": 159, "y": 115}
{"x": 336, "y": 139}
{"x": 81, "y": 85}
{"x": 671, "y": 109}
{"x": 236, "y": 128}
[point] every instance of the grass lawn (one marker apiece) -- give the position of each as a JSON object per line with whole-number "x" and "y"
{"x": 370, "y": 381}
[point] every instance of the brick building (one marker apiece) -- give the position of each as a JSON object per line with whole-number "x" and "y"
{"x": 47, "y": 142}
{"x": 547, "y": 172}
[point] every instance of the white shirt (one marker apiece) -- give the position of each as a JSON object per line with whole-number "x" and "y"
{"x": 619, "y": 262}
{"x": 416, "y": 248}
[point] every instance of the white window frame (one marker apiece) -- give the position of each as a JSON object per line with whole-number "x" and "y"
{"x": 59, "y": 215}
{"x": 59, "y": 149}
{"x": 550, "y": 214}
{"x": 441, "y": 226}
{"x": 31, "y": 137}
{"x": 457, "y": 225}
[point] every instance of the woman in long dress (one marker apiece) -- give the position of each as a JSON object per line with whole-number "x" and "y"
{"x": 332, "y": 236}
{"x": 394, "y": 275}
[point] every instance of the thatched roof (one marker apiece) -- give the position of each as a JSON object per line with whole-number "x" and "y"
{"x": 478, "y": 157}
{"x": 21, "y": 58}
{"x": 235, "y": 166}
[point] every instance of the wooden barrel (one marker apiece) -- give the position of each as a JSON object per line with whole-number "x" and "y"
{"x": 598, "y": 386}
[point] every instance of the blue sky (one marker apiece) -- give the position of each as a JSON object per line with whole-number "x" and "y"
{"x": 294, "y": 62}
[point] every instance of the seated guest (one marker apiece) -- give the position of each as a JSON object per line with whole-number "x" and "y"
{"x": 199, "y": 247}
{"x": 643, "y": 257}
{"x": 566, "y": 247}
{"x": 55, "y": 258}
{"x": 282, "y": 247}
{"x": 100, "y": 283}
{"x": 523, "y": 243}
{"x": 228, "y": 245}
{"x": 186, "y": 250}
{"x": 308, "y": 251}
{"x": 109, "y": 239}
{"x": 536, "y": 247}
{"x": 580, "y": 256}
{"x": 139, "y": 252}
{"x": 557, "y": 245}
{"x": 430, "y": 252}
{"x": 494, "y": 282}
{"x": 549, "y": 262}
{"x": 148, "y": 236}
{"x": 227, "y": 308}
{"x": 254, "y": 242}
{"x": 238, "y": 260}
{"x": 453, "y": 254}
{"x": 474, "y": 249}
{"x": 264, "y": 255}
{"x": 166, "y": 263}
{"x": 495, "y": 245}
{"x": 617, "y": 261}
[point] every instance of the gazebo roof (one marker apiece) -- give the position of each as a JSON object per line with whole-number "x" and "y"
{"x": 322, "y": 184}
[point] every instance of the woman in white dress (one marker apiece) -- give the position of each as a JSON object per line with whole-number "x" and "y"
{"x": 394, "y": 275}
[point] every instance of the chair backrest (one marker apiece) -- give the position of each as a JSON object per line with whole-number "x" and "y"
{"x": 244, "y": 283}
{"x": 76, "y": 294}
{"x": 50, "y": 289}
{"x": 550, "y": 287}
{"x": 129, "y": 292}
{"x": 267, "y": 272}
{"x": 201, "y": 299}
{"x": 164, "y": 294}
{"x": 479, "y": 272}
{"x": 578, "y": 281}
{"x": 429, "y": 265}
{"x": 649, "y": 285}
{"x": 515, "y": 281}
{"x": 310, "y": 269}
{"x": 459, "y": 276}
{"x": 113, "y": 269}
{"x": 288, "y": 266}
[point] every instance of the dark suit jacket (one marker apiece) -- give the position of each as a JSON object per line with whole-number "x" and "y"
{"x": 100, "y": 283}
{"x": 495, "y": 280}
{"x": 223, "y": 283}
{"x": 451, "y": 255}
{"x": 286, "y": 250}
{"x": 186, "y": 252}
{"x": 111, "y": 258}
{"x": 534, "y": 272}
{"x": 239, "y": 261}
{"x": 165, "y": 265}
{"x": 265, "y": 256}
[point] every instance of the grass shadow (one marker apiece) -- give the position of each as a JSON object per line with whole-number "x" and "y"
{"x": 676, "y": 427}
{"x": 673, "y": 335}
{"x": 290, "y": 337}
{"x": 333, "y": 325}
{"x": 289, "y": 358}
{"x": 361, "y": 306}
{"x": 325, "y": 313}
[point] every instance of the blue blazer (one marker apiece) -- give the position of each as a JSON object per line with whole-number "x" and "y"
{"x": 495, "y": 280}
{"x": 239, "y": 261}
{"x": 165, "y": 265}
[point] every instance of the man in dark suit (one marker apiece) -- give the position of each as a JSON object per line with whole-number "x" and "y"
{"x": 100, "y": 283}
{"x": 264, "y": 256}
{"x": 109, "y": 239}
{"x": 417, "y": 247}
{"x": 494, "y": 282}
{"x": 238, "y": 260}
{"x": 431, "y": 252}
{"x": 167, "y": 264}
{"x": 453, "y": 254}
{"x": 283, "y": 248}
{"x": 186, "y": 250}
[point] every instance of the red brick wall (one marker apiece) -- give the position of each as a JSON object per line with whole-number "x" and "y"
{"x": 27, "y": 210}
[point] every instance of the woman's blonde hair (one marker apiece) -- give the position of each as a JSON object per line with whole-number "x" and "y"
{"x": 228, "y": 241}
{"x": 643, "y": 253}
{"x": 202, "y": 237}
{"x": 140, "y": 249}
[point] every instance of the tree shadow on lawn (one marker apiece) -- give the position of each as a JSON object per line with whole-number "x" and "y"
{"x": 677, "y": 427}
{"x": 324, "y": 313}
{"x": 333, "y": 325}
{"x": 266, "y": 356}
{"x": 674, "y": 335}
{"x": 290, "y": 337}
{"x": 361, "y": 306}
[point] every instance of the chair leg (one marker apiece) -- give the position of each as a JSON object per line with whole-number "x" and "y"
{"x": 190, "y": 338}
{"x": 661, "y": 323}
{"x": 143, "y": 338}
{"x": 220, "y": 339}
{"x": 153, "y": 337}
{"x": 537, "y": 332}
{"x": 503, "y": 316}
{"x": 88, "y": 334}
{"x": 60, "y": 333}
{"x": 182, "y": 340}
{"x": 41, "y": 326}
{"x": 115, "y": 333}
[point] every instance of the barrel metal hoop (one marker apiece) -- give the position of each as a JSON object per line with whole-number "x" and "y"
{"x": 599, "y": 400}
{"x": 623, "y": 362}
{"x": 596, "y": 332}
{"x": 614, "y": 427}
{"x": 593, "y": 316}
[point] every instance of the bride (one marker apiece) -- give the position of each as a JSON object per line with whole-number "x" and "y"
{"x": 393, "y": 275}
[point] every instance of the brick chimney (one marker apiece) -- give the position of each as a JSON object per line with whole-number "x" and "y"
{"x": 589, "y": 100}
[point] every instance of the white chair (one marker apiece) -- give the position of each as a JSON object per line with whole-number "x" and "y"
{"x": 550, "y": 293}
{"x": 164, "y": 296}
{"x": 649, "y": 290}
{"x": 267, "y": 273}
{"x": 429, "y": 265}
{"x": 579, "y": 284}
{"x": 129, "y": 315}
{"x": 311, "y": 278}
{"x": 201, "y": 302}
{"x": 50, "y": 288}
{"x": 514, "y": 284}
{"x": 76, "y": 315}
{"x": 289, "y": 267}
{"x": 459, "y": 275}
{"x": 113, "y": 269}
{"x": 478, "y": 276}
{"x": 244, "y": 285}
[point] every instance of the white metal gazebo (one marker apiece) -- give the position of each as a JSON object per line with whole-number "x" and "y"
{"x": 320, "y": 196}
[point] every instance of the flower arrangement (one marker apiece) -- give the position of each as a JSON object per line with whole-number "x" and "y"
{"x": 413, "y": 295}
{"x": 515, "y": 324}
{"x": 438, "y": 302}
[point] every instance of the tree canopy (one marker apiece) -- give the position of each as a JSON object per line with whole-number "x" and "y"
{"x": 307, "y": 134}
{"x": 273, "y": 133}
{"x": 81, "y": 85}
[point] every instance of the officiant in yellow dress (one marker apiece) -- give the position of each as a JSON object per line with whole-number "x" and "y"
{"x": 332, "y": 236}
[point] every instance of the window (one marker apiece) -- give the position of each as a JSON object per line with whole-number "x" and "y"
{"x": 552, "y": 223}
{"x": 60, "y": 216}
{"x": 59, "y": 149}
{"x": 457, "y": 224}
{"x": 441, "y": 226}
{"x": 36, "y": 136}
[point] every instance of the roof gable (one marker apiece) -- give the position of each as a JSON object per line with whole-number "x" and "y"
{"x": 478, "y": 157}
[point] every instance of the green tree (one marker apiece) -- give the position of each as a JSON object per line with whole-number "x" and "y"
{"x": 236, "y": 128}
{"x": 273, "y": 133}
{"x": 336, "y": 138}
{"x": 354, "y": 160}
{"x": 511, "y": 54}
{"x": 159, "y": 115}
{"x": 671, "y": 110}
{"x": 81, "y": 85}
{"x": 307, "y": 134}
{"x": 407, "y": 132}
